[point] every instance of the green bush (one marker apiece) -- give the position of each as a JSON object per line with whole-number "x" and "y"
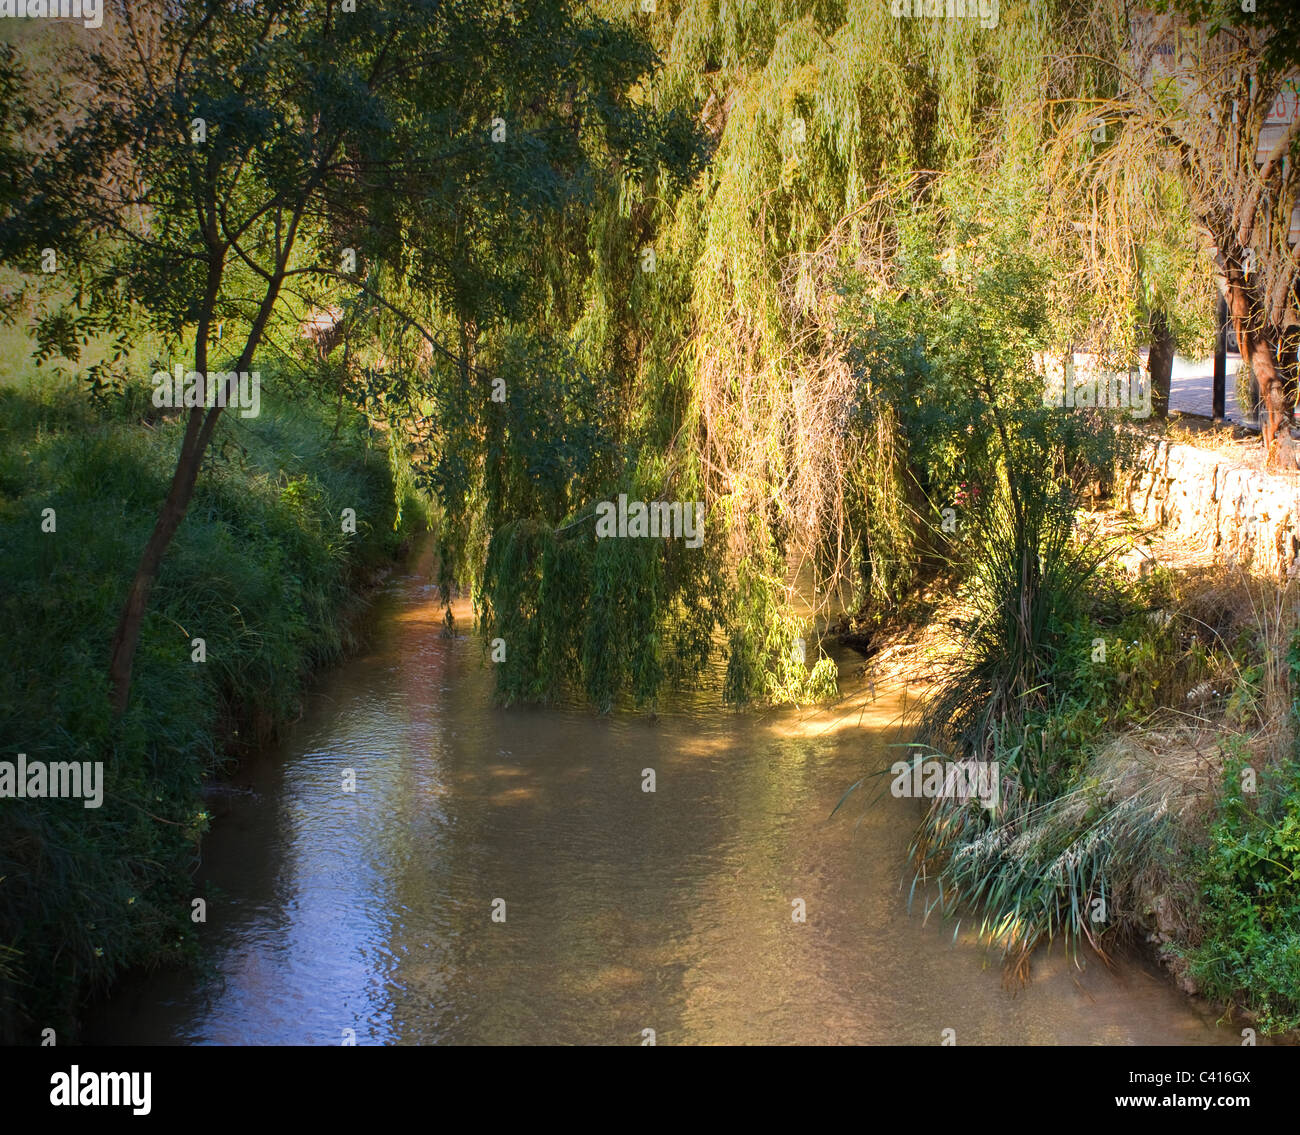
{"x": 1249, "y": 952}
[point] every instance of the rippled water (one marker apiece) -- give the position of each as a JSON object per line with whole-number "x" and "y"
{"x": 624, "y": 910}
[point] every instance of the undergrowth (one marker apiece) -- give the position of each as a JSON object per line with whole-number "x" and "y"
{"x": 260, "y": 569}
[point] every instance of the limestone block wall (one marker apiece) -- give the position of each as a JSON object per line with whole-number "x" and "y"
{"x": 1199, "y": 495}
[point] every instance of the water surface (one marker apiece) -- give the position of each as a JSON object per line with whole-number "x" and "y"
{"x": 623, "y": 910}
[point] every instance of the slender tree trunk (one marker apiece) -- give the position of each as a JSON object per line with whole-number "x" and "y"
{"x": 1246, "y": 309}
{"x": 1220, "y": 358}
{"x": 127, "y": 635}
{"x": 1160, "y": 363}
{"x": 1256, "y": 348}
{"x": 198, "y": 436}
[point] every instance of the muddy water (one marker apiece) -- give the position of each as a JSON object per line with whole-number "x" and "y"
{"x": 624, "y": 910}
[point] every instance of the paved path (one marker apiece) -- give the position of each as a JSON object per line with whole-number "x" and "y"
{"x": 1191, "y": 387}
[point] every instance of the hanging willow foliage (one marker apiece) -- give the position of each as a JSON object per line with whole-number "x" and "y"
{"x": 832, "y": 123}
{"x": 696, "y": 342}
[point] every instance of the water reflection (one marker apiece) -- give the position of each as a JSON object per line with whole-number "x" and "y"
{"x": 623, "y": 910}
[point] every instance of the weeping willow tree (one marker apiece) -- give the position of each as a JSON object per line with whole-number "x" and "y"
{"x": 690, "y": 339}
{"x": 833, "y": 128}
{"x": 529, "y": 397}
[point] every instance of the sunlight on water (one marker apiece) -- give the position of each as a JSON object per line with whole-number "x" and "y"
{"x": 624, "y": 910}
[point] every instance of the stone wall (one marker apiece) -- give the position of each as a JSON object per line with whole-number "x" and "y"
{"x": 1202, "y": 496}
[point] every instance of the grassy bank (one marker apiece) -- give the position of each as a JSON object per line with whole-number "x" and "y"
{"x": 261, "y": 570}
{"x": 1149, "y": 782}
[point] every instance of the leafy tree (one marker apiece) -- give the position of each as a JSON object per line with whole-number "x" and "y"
{"x": 236, "y": 163}
{"x": 1184, "y": 143}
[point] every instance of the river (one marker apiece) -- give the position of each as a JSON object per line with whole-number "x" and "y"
{"x": 622, "y": 910}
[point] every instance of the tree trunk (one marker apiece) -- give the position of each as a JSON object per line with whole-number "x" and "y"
{"x": 198, "y": 435}
{"x": 1160, "y": 363}
{"x": 1220, "y": 358}
{"x": 1246, "y": 310}
{"x": 1256, "y": 348}
{"x": 127, "y": 635}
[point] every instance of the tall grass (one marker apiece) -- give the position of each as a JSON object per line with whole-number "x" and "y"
{"x": 1020, "y": 590}
{"x": 1109, "y": 819}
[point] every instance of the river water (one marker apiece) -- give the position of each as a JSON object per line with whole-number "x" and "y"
{"x": 623, "y": 910}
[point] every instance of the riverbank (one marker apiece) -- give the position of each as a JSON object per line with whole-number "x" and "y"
{"x": 261, "y": 587}
{"x": 1166, "y": 801}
